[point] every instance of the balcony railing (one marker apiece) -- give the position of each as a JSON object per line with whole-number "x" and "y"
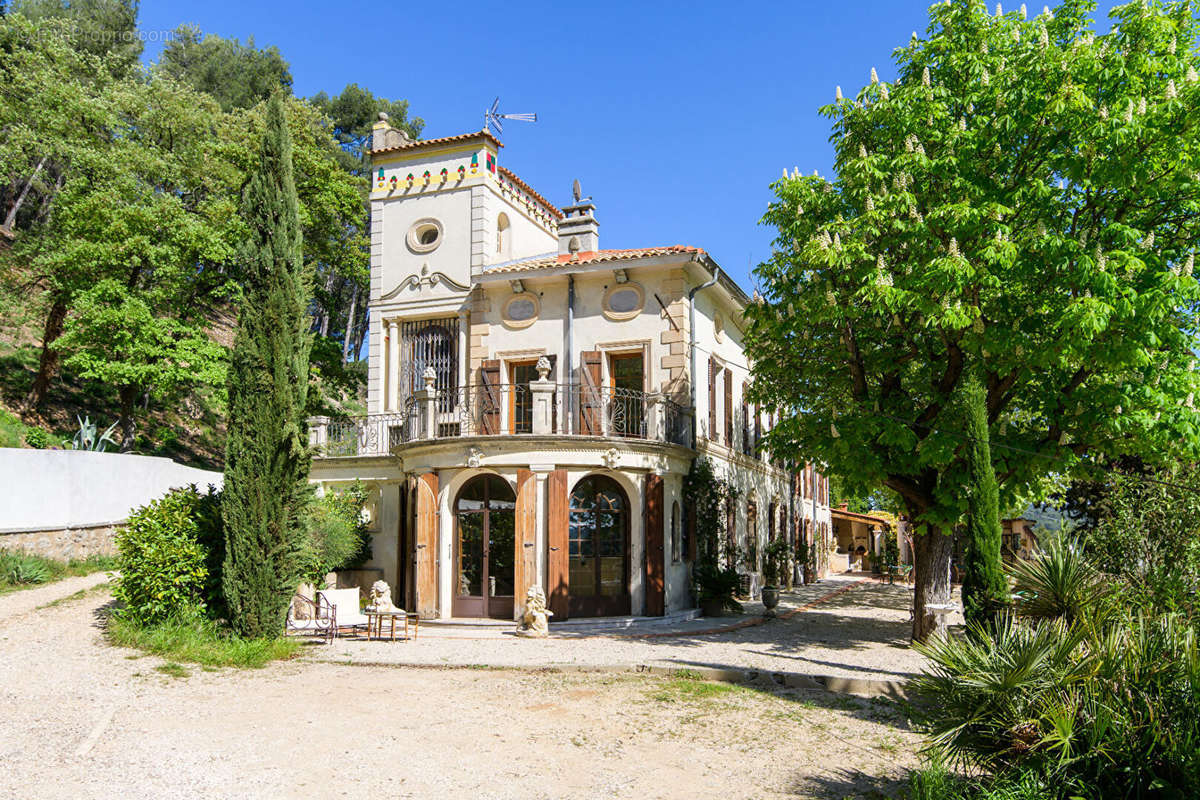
{"x": 536, "y": 408}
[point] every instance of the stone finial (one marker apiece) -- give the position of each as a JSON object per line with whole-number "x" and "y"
{"x": 543, "y": 368}
{"x": 430, "y": 378}
{"x": 383, "y": 116}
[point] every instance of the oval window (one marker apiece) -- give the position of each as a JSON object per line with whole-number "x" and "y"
{"x": 521, "y": 309}
{"x": 623, "y": 301}
{"x": 425, "y": 235}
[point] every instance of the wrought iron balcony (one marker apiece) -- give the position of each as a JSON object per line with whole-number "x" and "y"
{"x": 538, "y": 408}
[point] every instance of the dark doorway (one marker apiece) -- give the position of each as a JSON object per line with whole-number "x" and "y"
{"x": 485, "y": 548}
{"x": 598, "y": 550}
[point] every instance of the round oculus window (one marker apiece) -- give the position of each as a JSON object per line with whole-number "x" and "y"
{"x": 521, "y": 310}
{"x": 624, "y": 301}
{"x": 425, "y": 235}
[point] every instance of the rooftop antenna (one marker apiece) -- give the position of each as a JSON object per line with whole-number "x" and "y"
{"x": 492, "y": 117}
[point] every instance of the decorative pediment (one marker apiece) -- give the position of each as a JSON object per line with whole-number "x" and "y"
{"x": 426, "y": 279}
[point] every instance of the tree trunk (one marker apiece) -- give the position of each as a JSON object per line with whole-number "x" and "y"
{"x": 128, "y": 398}
{"x": 11, "y": 219}
{"x": 48, "y": 362}
{"x": 348, "y": 336}
{"x": 932, "y": 550}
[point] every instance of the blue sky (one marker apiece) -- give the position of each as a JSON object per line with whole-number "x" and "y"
{"x": 675, "y": 117}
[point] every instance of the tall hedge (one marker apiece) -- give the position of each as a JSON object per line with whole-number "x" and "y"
{"x": 266, "y": 456}
{"x": 984, "y": 587}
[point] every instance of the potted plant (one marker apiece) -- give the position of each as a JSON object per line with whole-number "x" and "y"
{"x": 775, "y": 558}
{"x": 715, "y": 588}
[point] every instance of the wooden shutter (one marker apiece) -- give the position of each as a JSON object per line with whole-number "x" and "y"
{"x": 713, "y": 372}
{"x": 526, "y": 539}
{"x": 488, "y": 401}
{"x": 655, "y": 557}
{"x": 728, "y": 408}
{"x": 557, "y": 539}
{"x": 591, "y": 405}
{"x": 426, "y": 542}
{"x": 745, "y": 420}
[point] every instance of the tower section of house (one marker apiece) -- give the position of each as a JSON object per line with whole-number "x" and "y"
{"x": 535, "y": 401}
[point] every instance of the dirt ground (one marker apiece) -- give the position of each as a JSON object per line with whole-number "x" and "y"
{"x": 81, "y": 719}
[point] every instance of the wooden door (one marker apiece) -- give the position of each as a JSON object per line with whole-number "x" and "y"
{"x": 557, "y": 525}
{"x": 655, "y": 559}
{"x": 426, "y": 555}
{"x": 626, "y": 403}
{"x": 526, "y": 538}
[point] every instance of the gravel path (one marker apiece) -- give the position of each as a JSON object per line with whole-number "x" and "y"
{"x": 84, "y": 720}
{"x": 860, "y": 633}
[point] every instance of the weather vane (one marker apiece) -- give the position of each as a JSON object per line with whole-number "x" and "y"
{"x": 492, "y": 117}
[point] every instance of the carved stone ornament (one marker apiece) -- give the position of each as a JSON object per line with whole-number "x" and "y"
{"x": 474, "y": 458}
{"x": 535, "y": 621}
{"x": 612, "y": 458}
{"x": 543, "y": 368}
{"x": 380, "y": 598}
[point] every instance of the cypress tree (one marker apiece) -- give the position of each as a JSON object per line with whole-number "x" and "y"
{"x": 984, "y": 588}
{"x": 266, "y": 452}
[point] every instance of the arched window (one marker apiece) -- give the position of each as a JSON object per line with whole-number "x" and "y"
{"x": 503, "y": 235}
{"x": 676, "y": 535}
{"x": 598, "y": 548}
{"x": 485, "y": 548}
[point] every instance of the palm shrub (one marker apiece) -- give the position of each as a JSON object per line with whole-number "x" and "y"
{"x": 1058, "y": 583}
{"x": 17, "y": 568}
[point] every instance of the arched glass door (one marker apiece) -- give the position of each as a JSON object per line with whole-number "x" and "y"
{"x": 485, "y": 554}
{"x": 598, "y": 555}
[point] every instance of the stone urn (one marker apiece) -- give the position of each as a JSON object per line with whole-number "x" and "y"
{"x": 770, "y": 598}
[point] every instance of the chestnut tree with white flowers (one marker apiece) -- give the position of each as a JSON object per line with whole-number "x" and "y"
{"x": 1021, "y": 207}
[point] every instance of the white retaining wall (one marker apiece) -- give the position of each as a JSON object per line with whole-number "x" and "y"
{"x": 43, "y": 490}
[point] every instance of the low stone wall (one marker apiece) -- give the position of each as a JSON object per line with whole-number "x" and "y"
{"x": 64, "y": 544}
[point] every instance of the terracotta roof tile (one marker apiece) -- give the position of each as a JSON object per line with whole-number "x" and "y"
{"x": 512, "y": 176}
{"x": 462, "y": 137}
{"x": 592, "y": 257}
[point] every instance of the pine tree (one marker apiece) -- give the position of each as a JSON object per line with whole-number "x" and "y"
{"x": 266, "y": 457}
{"x": 984, "y": 587}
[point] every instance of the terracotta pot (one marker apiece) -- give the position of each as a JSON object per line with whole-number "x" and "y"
{"x": 712, "y": 607}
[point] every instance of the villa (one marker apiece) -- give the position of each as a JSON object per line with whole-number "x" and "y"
{"x": 535, "y": 402}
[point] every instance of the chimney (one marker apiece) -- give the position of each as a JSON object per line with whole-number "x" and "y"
{"x": 578, "y": 231}
{"x": 384, "y": 136}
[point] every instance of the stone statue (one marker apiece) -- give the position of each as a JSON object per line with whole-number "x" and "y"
{"x": 535, "y": 620}
{"x": 380, "y": 598}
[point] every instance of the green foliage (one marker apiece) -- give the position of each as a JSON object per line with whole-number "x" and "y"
{"x": 200, "y": 641}
{"x": 984, "y": 589}
{"x": 1059, "y": 583}
{"x": 103, "y": 28}
{"x": 21, "y": 569}
{"x": 1148, "y": 534}
{"x": 162, "y": 562}
{"x": 88, "y": 437}
{"x": 891, "y": 551}
{"x": 1084, "y": 699}
{"x": 336, "y": 534}
{"x": 267, "y": 458}
{"x": 775, "y": 561}
{"x": 708, "y": 496}
{"x": 37, "y": 438}
{"x": 1021, "y": 204}
{"x": 236, "y": 75}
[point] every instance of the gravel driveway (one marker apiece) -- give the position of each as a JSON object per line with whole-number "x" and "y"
{"x": 84, "y": 720}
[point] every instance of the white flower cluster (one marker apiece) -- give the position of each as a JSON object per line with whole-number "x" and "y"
{"x": 1192, "y": 77}
{"x": 953, "y": 248}
{"x": 925, "y": 77}
{"x": 1171, "y": 92}
{"x": 883, "y": 91}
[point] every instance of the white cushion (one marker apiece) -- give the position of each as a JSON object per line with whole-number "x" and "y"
{"x": 346, "y": 603}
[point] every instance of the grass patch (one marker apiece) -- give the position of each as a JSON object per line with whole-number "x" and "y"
{"x": 82, "y": 593}
{"x": 12, "y": 429}
{"x": 693, "y": 690}
{"x": 174, "y": 670}
{"x": 200, "y": 642}
{"x": 21, "y": 570}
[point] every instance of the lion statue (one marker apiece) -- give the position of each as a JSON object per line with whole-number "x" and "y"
{"x": 380, "y": 598}
{"x": 535, "y": 620}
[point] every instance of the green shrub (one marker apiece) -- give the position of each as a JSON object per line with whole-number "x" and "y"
{"x": 162, "y": 562}
{"x": 335, "y": 534}
{"x": 37, "y": 438}
{"x": 17, "y": 568}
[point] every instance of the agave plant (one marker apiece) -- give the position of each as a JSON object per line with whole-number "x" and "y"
{"x": 87, "y": 439}
{"x": 1059, "y": 583}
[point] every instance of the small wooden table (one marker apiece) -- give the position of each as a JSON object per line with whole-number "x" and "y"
{"x": 375, "y": 623}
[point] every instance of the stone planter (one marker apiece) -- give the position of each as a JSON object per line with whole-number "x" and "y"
{"x": 712, "y": 607}
{"x": 770, "y": 598}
